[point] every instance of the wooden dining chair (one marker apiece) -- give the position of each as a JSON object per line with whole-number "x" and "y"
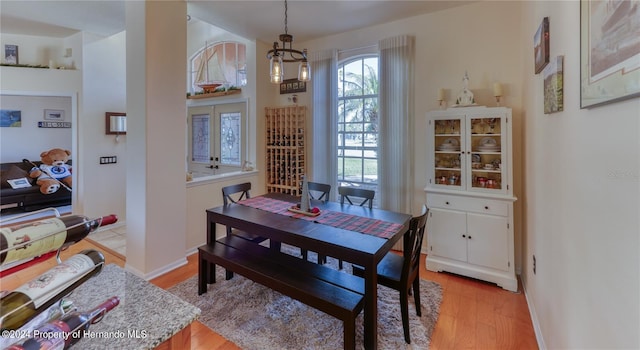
{"x": 321, "y": 192}
{"x": 401, "y": 272}
{"x": 348, "y": 193}
{"x": 240, "y": 192}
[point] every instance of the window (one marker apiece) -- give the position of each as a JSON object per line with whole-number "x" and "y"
{"x": 224, "y": 62}
{"x": 216, "y": 138}
{"x": 358, "y": 122}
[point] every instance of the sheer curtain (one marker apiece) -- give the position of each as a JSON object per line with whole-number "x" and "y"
{"x": 395, "y": 140}
{"x": 324, "y": 114}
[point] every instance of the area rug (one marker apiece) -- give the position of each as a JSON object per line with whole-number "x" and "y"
{"x": 255, "y": 317}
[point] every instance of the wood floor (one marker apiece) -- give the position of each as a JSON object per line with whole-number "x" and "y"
{"x": 473, "y": 314}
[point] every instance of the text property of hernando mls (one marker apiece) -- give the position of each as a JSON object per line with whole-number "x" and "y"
{"x": 118, "y": 334}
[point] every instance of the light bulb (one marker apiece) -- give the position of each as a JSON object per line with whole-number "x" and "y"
{"x": 276, "y": 70}
{"x": 304, "y": 71}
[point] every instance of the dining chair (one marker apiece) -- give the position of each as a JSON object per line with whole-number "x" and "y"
{"x": 321, "y": 192}
{"x": 240, "y": 191}
{"x": 401, "y": 272}
{"x": 348, "y": 193}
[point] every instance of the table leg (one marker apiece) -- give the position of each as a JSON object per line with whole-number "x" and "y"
{"x": 371, "y": 307}
{"x": 211, "y": 232}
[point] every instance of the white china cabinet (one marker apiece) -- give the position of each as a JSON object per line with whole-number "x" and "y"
{"x": 470, "y": 194}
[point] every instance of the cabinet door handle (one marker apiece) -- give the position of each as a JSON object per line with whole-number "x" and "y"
{"x": 486, "y": 207}
{"x": 447, "y": 203}
{"x": 469, "y": 236}
{"x": 464, "y": 236}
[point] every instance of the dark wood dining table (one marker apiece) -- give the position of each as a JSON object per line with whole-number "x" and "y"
{"x": 355, "y": 247}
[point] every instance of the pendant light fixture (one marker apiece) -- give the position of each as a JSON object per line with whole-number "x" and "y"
{"x": 279, "y": 55}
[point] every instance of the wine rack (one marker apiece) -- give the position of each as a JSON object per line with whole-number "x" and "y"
{"x": 286, "y": 158}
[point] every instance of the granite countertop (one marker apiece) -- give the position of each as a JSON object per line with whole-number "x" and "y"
{"x": 146, "y": 317}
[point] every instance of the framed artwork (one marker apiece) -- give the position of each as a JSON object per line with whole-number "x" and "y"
{"x": 609, "y": 51}
{"x": 541, "y": 46}
{"x": 290, "y": 86}
{"x": 553, "y": 86}
{"x": 10, "y": 118}
{"x": 54, "y": 114}
{"x": 11, "y": 54}
{"x": 19, "y": 183}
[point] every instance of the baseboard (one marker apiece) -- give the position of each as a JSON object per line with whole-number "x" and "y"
{"x": 157, "y": 272}
{"x": 534, "y": 318}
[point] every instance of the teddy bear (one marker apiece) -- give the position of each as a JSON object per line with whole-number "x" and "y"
{"x": 53, "y": 171}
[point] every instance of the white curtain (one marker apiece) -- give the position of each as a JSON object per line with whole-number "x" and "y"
{"x": 324, "y": 76}
{"x": 396, "y": 139}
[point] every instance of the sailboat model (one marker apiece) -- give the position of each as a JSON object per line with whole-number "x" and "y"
{"x": 209, "y": 76}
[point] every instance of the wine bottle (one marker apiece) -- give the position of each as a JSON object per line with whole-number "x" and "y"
{"x": 44, "y": 236}
{"x": 35, "y": 296}
{"x": 69, "y": 328}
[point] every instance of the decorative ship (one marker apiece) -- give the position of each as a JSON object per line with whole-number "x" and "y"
{"x": 206, "y": 80}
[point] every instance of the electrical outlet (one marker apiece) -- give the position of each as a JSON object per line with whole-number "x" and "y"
{"x": 534, "y": 264}
{"x": 108, "y": 160}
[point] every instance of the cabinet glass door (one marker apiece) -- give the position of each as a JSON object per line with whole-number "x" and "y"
{"x": 448, "y": 143}
{"x": 487, "y": 145}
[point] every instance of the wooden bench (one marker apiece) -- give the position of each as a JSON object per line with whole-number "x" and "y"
{"x": 336, "y": 293}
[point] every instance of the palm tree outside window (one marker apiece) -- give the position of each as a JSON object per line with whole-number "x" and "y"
{"x": 358, "y": 122}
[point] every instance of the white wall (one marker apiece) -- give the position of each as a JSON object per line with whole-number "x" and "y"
{"x": 104, "y": 82}
{"x": 582, "y": 210}
{"x": 28, "y": 140}
{"x": 208, "y": 194}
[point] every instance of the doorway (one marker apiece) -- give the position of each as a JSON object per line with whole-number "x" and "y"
{"x": 41, "y": 122}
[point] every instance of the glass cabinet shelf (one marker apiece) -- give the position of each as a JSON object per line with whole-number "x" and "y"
{"x": 469, "y": 149}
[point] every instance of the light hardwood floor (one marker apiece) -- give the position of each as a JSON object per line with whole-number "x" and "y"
{"x": 473, "y": 314}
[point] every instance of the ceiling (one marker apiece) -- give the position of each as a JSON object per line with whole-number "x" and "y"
{"x": 262, "y": 20}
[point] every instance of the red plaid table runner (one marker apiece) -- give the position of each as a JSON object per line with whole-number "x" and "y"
{"x": 374, "y": 227}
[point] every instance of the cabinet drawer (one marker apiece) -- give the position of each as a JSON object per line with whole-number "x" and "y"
{"x": 476, "y": 205}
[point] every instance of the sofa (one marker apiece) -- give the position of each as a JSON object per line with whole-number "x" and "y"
{"x": 28, "y": 198}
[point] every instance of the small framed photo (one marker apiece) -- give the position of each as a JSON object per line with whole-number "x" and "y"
{"x": 19, "y": 183}
{"x": 554, "y": 86}
{"x": 11, "y": 54}
{"x": 541, "y": 46}
{"x": 54, "y": 114}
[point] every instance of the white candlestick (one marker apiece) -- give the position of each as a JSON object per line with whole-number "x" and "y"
{"x": 497, "y": 89}
{"x": 440, "y": 94}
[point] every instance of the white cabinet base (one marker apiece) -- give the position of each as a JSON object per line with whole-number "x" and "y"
{"x": 503, "y": 279}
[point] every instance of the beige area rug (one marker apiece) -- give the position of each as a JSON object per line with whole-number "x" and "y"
{"x": 255, "y": 317}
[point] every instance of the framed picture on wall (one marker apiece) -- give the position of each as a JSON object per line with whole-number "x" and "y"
{"x": 10, "y": 118}
{"x": 553, "y": 86}
{"x": 54, "y": 114}
{"x": 11, "y": 54}
{"x": 541, "y": 46}
{"x": 609, "y": 51}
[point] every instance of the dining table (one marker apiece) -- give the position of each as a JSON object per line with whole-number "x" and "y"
{"x": 352, "y": 233}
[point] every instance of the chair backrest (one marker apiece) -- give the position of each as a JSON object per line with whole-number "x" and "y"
{"x": 349, "y": 192}
{"x": 319, "y": 191}
{"x": 228, "y": 191}
{"x": 413, "y": 244}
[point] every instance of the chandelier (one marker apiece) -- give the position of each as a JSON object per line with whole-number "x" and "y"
{"x": 278, "y": 55}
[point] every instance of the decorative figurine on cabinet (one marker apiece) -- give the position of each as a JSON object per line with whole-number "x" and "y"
{"x": 465, "y": 97}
